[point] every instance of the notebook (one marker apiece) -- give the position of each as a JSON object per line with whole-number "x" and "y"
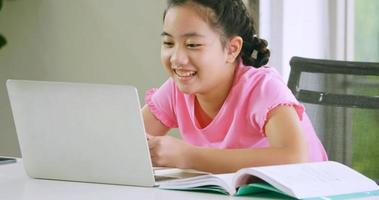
{"x": 82, "y": 132}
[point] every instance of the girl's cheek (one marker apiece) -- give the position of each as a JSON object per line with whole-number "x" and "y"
{"x": 165, "y": 55}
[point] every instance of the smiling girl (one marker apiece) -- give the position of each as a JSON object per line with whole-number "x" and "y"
{"x": 231, "y": 110}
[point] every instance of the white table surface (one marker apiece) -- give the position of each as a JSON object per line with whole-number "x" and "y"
{"x": 16, "y": 185}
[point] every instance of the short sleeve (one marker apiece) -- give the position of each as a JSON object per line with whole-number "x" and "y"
{"x": 269, "y": 93}
{"x": 161, "y": 103}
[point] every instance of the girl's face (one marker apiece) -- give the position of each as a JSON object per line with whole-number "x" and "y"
{"x": 192, "y": 52}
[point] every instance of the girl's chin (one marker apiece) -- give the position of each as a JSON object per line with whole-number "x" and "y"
{"x": 185, "y": 89}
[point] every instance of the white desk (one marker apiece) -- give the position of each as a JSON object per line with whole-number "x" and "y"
{"x": 16, "y": 185}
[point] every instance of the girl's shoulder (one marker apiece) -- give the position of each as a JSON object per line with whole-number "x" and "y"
{"x": 250, "y": 76}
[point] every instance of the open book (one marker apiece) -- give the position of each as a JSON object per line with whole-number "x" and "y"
{"x": 304, "y": 180}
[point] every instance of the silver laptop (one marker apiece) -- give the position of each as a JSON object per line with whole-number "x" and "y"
{"x": 81, "y": 132}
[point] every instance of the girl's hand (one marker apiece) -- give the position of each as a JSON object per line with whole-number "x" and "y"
{"x": 168, "y": 151}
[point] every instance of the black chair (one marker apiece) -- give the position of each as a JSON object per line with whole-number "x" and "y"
{"x": 347, "y": 123}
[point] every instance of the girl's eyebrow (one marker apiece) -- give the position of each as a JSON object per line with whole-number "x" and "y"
{"x": 191, "y": 34}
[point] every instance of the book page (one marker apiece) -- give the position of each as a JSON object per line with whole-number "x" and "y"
{"x": 313, "y": 179}
{"x": 224, "y": 181}
{"x": 167, "y": 173}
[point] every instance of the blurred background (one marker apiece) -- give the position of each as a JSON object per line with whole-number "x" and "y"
{"x": 94, "y": 41}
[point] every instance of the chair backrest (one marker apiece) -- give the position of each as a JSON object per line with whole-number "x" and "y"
{"x": 300, "y": 65}
{"x": 349, "y": 127}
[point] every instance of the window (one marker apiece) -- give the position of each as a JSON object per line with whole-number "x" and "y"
{"x": 365, "y": 127}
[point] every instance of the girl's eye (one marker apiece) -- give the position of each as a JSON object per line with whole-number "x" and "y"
{"x": 193, "y": 45}
{"x": 168, "y": 44}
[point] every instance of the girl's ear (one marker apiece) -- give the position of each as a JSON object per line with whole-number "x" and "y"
{"x": 234, "y": 48}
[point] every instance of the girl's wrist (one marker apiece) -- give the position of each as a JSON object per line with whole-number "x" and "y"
{"x": 190, "y": 156}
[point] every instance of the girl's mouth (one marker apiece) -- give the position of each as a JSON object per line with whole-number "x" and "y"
{"x": 184, "y": 74}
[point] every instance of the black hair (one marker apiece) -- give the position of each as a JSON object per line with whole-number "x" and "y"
{"x": 231, "y": 18}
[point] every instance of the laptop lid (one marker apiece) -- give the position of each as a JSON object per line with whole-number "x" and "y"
{"x": 81, "y": 132}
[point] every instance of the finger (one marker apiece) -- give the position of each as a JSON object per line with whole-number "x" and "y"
{"x": 153, "y": 162}
{"x": 154, "y": 142}
{"x": 154, "y": 159}
{"x": 153, "y": 155}
{"x": 157, "y": 163}
{"x": 151, "y": 142}
{"x": 148, "y": 136}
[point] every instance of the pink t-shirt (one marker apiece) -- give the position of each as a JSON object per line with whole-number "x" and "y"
{"x": 241, "y": 119}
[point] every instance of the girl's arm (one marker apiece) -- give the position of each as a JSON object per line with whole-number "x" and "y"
{"x": 284, "y": 132}
{"x": 285, "y": 135}
{"x": 153, "y": 126}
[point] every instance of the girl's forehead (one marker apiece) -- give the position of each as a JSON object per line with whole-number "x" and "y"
{"x": 185, "y": 20}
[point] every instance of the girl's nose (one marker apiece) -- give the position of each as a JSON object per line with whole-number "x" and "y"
{"x": 179, "y": 57}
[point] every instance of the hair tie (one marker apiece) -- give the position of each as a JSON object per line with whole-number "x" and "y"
{"x": 254, "y": 54}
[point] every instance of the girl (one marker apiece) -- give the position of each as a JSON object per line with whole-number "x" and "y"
{"x": 232, "y": 112}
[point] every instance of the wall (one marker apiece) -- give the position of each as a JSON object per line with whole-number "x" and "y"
{"x": 113, "y": 41}
{"x": 294, "y": 28}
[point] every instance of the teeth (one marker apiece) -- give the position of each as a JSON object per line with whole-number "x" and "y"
{"x": 185, "y": 74}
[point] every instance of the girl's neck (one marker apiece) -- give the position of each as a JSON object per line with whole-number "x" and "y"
{"x": 212, "y": 101}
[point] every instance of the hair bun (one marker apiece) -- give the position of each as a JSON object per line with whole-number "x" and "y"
{"x": 260, "y": 54}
